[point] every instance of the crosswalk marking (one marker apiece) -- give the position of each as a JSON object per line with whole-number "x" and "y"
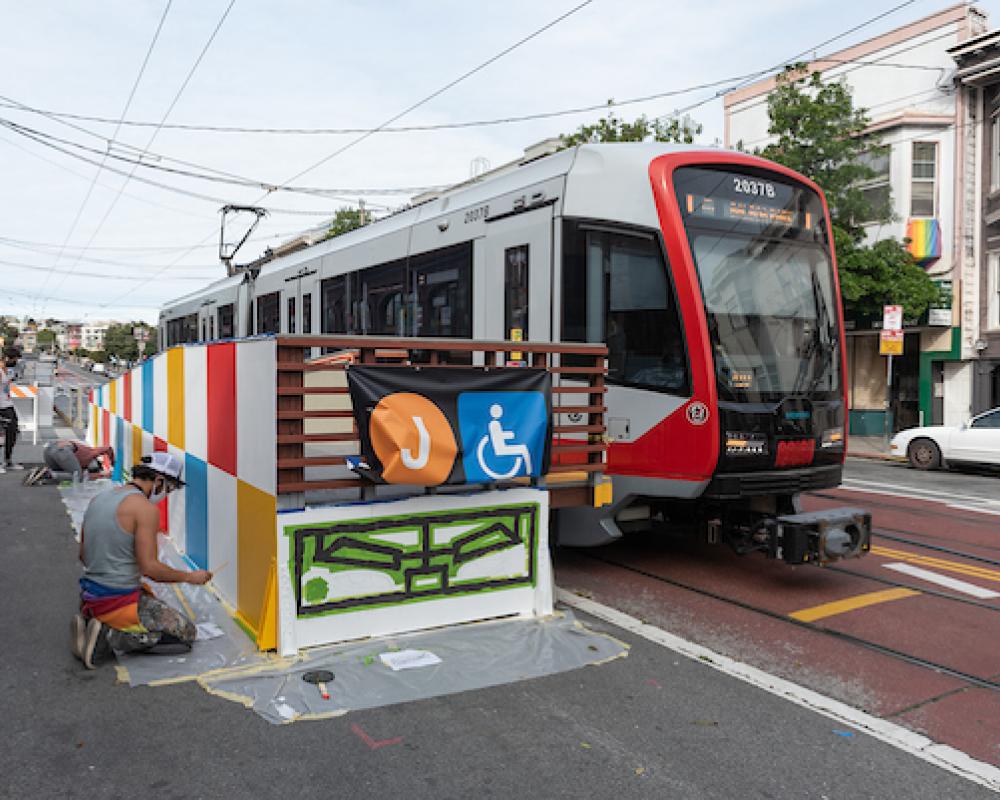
{"x": 944, "y": 580}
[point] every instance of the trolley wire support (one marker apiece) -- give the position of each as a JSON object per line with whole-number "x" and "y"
{"x": 228, "y": 252}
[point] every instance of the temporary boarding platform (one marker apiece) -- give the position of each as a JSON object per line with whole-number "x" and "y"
{"x": 307, "y": 552}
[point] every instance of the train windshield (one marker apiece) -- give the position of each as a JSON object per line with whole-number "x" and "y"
{"x": 763, "y": 259}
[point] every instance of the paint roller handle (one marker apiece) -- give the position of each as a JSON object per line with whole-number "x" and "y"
{"x": 322, "y": 690}
{"x": 198, "y": 577}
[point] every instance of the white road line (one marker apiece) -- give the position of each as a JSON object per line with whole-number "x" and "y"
{"x": 981, "y": 505}
{"x": 944, "y": 580}
{"x": 940, "y": 755}
{"x": 871, "y": 486}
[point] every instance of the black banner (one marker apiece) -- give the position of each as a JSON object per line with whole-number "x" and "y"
{"x": 434, "y": 425}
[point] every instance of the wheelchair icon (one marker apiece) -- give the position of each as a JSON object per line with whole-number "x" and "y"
{"x": 499, "y": 440}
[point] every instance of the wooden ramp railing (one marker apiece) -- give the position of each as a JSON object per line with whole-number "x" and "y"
{"x": 316, "y": 428}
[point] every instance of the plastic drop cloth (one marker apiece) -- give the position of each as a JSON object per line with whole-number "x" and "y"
{"x": 200, "y": 604}
{"x": 473, "y": 656}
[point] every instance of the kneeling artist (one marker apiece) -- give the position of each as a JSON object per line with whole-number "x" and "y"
{"x": 118, "y": 548}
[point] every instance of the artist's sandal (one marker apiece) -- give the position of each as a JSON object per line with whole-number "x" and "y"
{"x": 78, "y": 635}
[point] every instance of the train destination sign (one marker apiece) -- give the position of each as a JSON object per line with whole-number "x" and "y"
{"x": 752, "y": 210}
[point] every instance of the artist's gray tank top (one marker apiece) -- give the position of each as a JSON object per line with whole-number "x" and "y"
{"x": 109, "y": 552}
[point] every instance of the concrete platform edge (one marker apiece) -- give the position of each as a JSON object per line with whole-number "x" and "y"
{"x": 940, "y": 755}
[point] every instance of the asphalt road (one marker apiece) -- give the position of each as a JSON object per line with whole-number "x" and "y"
{"x": 654, "y": 724}
{"x": 978, "y": 482}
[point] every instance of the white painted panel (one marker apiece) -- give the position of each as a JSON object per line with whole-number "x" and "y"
{"x": 195, "y": 401}
{"x": 296, "y": 632}
{"x": 222, "y": 532}
{"x": 176, "y": 510}
{"x": 160, "y": 394}
{"x": 256, "y": 428}
{"x": 137, "y": 396}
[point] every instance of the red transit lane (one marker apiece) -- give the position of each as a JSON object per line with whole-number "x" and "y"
{"x": 810, "y": 625}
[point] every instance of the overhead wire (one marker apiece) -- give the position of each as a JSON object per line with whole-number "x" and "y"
{"x": 410, "y": 108}
{"x": 128, "y": 104}
{"x": 166, "y": 114}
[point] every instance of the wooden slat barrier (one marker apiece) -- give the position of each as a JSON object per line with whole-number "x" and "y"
{"x": 579, "y": 446}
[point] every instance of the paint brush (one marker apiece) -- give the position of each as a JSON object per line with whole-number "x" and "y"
{"x": 319, "y": 677}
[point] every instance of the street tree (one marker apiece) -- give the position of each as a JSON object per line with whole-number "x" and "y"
{"x": 344, "y": 220}
{"x": 614, "y": 129}
{"x": 820, "y": 134}
{"x": 120, "y": 343}
{"x": 46, "y": 339}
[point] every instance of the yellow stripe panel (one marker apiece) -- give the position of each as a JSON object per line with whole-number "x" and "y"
{"x": 175, "y": 397}
{"x": 939, "y": 563}
{"x": 113, "y": 397}
{"x": 255, "y": 552}
{"x": 136, "y": 446}
{"x": 851, "y": 603}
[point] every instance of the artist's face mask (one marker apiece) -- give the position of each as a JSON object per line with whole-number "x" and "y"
{"x": 160, "y": 491}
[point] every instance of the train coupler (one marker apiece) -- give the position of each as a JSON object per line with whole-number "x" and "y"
{"x": 819, "y": 537}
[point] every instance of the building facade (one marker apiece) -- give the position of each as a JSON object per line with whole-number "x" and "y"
{"x": 905, "y": 80}
{"x": 978, "y": 75}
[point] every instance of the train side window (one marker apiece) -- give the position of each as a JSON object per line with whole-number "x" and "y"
{"x": 617, "y": 289}
{"x": 226, "y": 321}
{"x": 377, "y": 299}
{"x": 334, "y": 300}
{"x": 441, "y": 293}
{"x": 269, "y": 313}
{"x": 307, "y": 313}
{"x": 291, "y": 315}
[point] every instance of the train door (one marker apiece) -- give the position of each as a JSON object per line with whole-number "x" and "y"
{"x": 518, "y": 277}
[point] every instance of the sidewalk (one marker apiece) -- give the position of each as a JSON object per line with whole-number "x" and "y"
{"x": 654, "y": 724}
{"x": 869, "y": 447}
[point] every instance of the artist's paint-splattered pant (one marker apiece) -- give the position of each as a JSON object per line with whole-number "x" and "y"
{"x": 165, "y": 625}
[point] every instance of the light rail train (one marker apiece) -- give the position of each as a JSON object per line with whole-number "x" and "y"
{"x": 709, "y": 274}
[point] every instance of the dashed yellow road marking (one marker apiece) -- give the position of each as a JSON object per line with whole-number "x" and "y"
{"x": 938, "y": 563}
{"x": 851, "y": 603}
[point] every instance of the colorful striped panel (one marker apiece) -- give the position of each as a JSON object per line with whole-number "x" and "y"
{"x": 136, "y": 453}
{"x": 105, "y": 427}
{"x": 222, "y": 417}
{"x": 223, "y": 532}
{"x": 256, "y": 431}
{"x": 255, "y": 549}
{"x": 925, "y": 240}
{"x": 159, "y": 445}
{"x": 196, "y": 510}
{"x": 148, "y": 393}
{"x": 175, "y": 397}
{"x": 195, "y": 417}
{"x": 119, "y": 445}
{"x": 127, "y": 396}
{"x": 161, "y": 402}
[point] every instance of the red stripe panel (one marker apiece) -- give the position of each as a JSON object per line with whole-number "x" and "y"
{"x": 221, "y": 408}
{"x": 127, "y": 399}
{"x": 105, "y": 427}
{"x": 160, "y": 445}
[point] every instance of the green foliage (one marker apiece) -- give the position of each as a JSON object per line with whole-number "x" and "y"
{"x": 346, "y": 219}
{"x": 98, "y": 356}
{"x": 46, "y": 339}
{"x": 820, "y": 135}
{"x": 880, "y": 275}
{"x": 613, "y": 129}
{"x": 120, "y": 343}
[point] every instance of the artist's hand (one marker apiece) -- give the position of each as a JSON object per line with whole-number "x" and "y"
{"x": 199, "y": 577}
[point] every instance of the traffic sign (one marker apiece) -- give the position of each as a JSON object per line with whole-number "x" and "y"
{"x": 890, "y": 343}
{"x": 892, "y": 318}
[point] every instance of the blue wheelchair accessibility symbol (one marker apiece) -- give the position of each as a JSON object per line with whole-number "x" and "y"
{"x": 503, "y": 434}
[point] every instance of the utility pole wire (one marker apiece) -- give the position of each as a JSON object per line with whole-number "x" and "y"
{"x": 93, "y": 182}
{"x": 156, "y": 131}
{"x": 352, "y": 143}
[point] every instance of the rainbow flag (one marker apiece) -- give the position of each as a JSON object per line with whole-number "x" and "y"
{"x": 925, "y": 240}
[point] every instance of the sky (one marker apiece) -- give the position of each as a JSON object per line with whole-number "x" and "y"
{"x": 82, "y": 240}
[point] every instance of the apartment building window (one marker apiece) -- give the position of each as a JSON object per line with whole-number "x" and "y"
{"x": 995, "y": 155}
{"x": 876, "y": 189}
{"x": 924, "y": 174}
{"x": 993, "y": 290}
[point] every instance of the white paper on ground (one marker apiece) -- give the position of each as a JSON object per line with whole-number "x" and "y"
{"x": 409, "y": 659}
{"x": 208, "y": 630}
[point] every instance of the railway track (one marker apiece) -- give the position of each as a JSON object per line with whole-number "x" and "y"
{"x": 868, "y": 644}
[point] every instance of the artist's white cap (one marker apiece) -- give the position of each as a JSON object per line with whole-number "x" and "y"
{"x": 164, "y": 463}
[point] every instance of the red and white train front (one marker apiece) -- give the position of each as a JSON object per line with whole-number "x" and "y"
{"x": 736, "y": 402}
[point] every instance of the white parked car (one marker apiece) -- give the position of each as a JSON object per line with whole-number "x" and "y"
{"x": 975, "y": 442}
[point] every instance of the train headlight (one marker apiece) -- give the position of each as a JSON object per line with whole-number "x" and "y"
{"x": 745, "y": 444}
{"x": 833, "y": 437}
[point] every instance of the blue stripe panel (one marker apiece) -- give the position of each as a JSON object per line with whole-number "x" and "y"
{"x": 116, "y": 473}
{"x": 196, "y": 509}
{"x": 147, "y": 396}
